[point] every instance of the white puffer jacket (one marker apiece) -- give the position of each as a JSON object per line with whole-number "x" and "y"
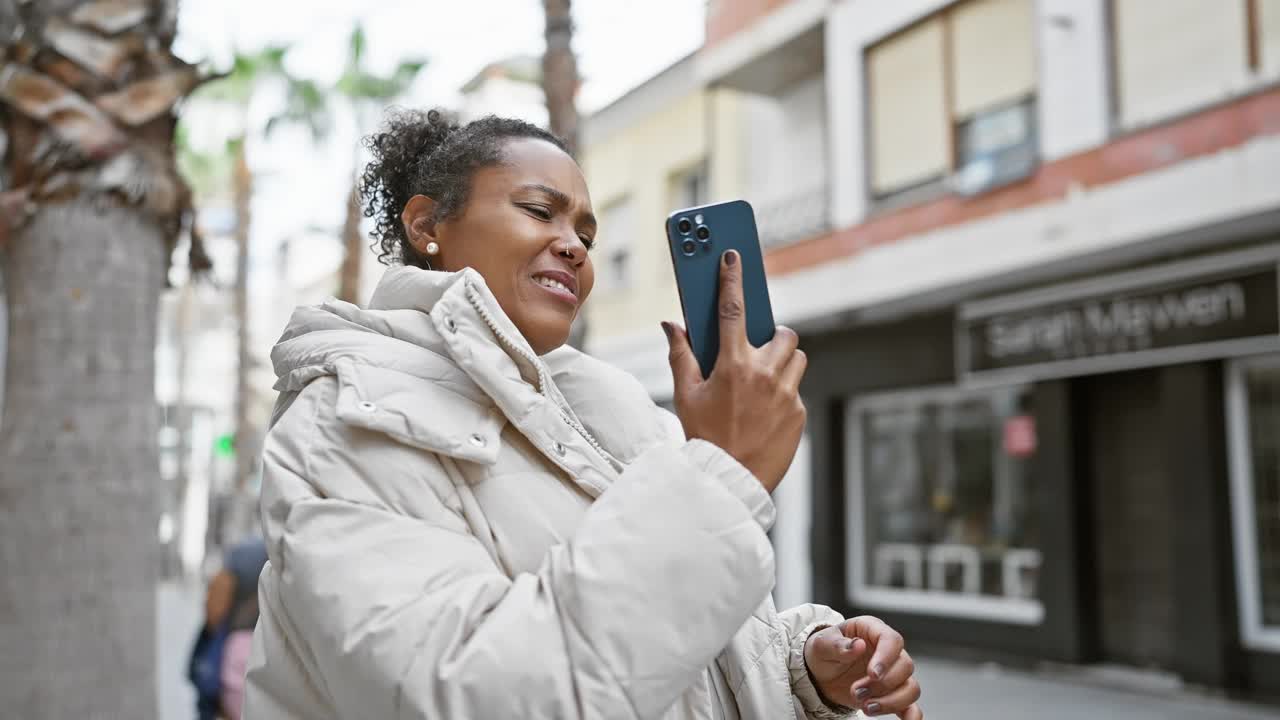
{"x": 460, "y": 529}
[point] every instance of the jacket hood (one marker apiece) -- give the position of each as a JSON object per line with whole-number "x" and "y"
{"x": 434, "y": 344}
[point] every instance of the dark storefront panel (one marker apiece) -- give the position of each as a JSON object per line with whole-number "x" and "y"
{"x": 1131, "y": 511}
{"x": 1075, "y": 507}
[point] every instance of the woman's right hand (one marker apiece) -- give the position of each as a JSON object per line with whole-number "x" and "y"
{"x": 750, "y": 406}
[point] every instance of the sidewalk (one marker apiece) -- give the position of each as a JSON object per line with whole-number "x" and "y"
{"x": 179, "y": 608}
{"x": 953, "y": 691}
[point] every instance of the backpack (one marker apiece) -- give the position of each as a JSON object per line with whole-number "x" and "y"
{"x": 204, "y": 668}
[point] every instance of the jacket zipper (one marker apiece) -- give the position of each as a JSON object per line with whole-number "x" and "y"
{"x": 543, "y": 380}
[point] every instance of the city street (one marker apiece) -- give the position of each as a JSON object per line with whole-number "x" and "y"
{"x": 953, "y": 691}
{"x": 178, "y": 616}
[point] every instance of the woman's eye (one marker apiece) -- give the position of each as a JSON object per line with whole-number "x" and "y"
{"x": 539, "y": 212}
{"x": 587, "y": 241}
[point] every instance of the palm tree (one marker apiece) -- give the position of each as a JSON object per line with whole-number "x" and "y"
{"x": 560, "y": 72}
{"x": 560, "y": 85}
{"x": 366, "y": 94}
{"x": 304, "y": 105}
{"x": 90, "y": 206}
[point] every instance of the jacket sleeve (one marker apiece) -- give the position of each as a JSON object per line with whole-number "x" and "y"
{"x": 798, "y": 624}
{"x": 401, "y": 617}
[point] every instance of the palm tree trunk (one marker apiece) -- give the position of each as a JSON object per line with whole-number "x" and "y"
{"x": 560, "y": 72}
{"x": 80, "y": 477}
{"x": 560, "y": 86}
{"x": 353, "y": 248}
{"x": 244, "y": 431}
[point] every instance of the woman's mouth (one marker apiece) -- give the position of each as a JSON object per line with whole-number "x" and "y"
{"x": 558, "y": 283}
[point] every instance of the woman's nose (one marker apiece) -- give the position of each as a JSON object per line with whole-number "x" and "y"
{"x": 572, "y": 249}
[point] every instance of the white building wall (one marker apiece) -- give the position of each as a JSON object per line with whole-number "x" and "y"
{"x": 1074, "y": 92}
{"x": 1227, "y": 185}
{"x": 1075, "y": 115}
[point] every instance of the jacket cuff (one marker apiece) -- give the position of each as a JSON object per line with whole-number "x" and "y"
{"x": 739, "y": 481}
{"x": 815, "y": 707}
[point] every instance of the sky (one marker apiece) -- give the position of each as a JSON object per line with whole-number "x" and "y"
{"x": 300, "y": 186}
{"x": 619, "y": 43}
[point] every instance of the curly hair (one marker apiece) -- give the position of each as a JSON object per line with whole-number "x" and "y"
{"x": 428, "y": 153}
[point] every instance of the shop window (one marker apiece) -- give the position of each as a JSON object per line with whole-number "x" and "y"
{"x": 953, "y": 96}
{"x": 942, "y": 514}
{"x": 1175, "y": 56}
{"x": 1254, "y": 413}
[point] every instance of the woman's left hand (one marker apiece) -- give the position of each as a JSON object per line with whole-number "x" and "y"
{"x": 861, "y": 663}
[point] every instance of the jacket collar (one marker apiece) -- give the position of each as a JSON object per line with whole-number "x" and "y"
{"x": 448, "y": 329}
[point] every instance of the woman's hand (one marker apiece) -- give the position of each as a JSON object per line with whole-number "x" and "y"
{"x": 861, "y": 663}
{"x": 750, "y": 406}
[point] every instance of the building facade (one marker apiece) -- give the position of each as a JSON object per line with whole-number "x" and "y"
{"x": 644, "y": 155}
{"x": 1041, "y": 310}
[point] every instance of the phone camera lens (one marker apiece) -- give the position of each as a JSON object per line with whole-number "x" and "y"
{"x": 684, "y": 225}
{"x": 689, "y": 247}
{"x": 704, "y": 232}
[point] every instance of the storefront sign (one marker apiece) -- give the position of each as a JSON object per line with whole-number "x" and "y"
{"x": 1226, "y": 306}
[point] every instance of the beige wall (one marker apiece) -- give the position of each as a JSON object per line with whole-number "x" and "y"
{"x": 635, "y": 165}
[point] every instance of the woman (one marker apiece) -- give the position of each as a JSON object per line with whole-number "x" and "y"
{"x": 467, "y": 519}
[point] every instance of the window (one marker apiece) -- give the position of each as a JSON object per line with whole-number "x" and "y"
{"x": 1254, "y": 432}
{"x": 1176, "y": 55}
{"x": 689, "y": 187}
{"x": 941, "y": 504}
{"x": 616, "y": 254}
{"x": 954, "y": 94}
{"x": 910, "y": 136}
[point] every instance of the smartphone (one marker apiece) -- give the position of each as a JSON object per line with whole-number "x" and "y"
{"x": 698, "y": 237}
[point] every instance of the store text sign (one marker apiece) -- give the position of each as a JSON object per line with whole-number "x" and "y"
{"x": 1235, "y": 306}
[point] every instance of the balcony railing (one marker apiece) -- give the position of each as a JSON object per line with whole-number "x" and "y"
{"x": 793, "y": 217}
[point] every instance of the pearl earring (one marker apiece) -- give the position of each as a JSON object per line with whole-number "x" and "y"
{"x": 432, "y": 248}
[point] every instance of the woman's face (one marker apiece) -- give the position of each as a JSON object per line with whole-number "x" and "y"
{"x": 526, "y": 228}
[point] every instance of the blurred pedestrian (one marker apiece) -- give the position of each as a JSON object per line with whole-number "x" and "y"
{"x": 467, "y": 518}
{"x": 220, "y": 657}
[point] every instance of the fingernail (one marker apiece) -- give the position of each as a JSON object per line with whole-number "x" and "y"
{"x": 731, "y": 258}
{"x": 670, "y": 331}
{"x": 873, "y": 708}
{"x": 862, "y": 693}
{"x": 878, "y": 671}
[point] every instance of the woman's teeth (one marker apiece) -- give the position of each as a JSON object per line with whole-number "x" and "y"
{"x": 548, "y": 282}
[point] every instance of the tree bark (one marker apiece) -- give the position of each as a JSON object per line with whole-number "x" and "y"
{"x": 78, "y": 486}
{"x": 353, "y": 248}
{"x": 560, "y": 72}
{"x": 560, "y": 86}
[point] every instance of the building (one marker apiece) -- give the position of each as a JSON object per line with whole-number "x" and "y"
{"x": 507, "y": 88}
{"x": 644, "y": 155}
{"x": 1041, "y": 313}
